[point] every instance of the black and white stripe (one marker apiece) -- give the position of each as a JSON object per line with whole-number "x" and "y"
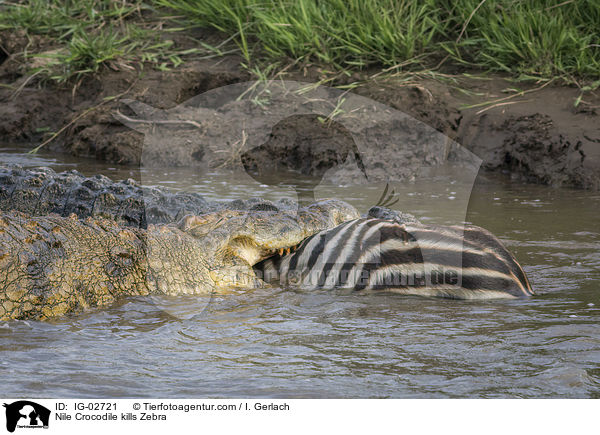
{"x": 374, "y": 254}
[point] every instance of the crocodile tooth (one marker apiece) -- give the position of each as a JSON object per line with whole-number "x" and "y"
{"x": 280, "y": 251}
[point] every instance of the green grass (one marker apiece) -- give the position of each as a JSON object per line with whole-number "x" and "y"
{"x": 60, "y": 19}
{"x": 342, "y": 33}
{"x": 538, "y": 38}
{"x": 92, "y": 34}
{"x": 541, "y": 38}
{"x": 524, "y": 38}
{"x": 85, "y": 53}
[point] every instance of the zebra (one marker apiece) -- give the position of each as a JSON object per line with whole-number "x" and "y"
{"x": 372, "y": 254}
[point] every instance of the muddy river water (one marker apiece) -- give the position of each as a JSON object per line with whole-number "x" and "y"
{"x": 281, "y": 343}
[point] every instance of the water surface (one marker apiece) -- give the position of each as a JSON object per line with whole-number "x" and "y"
{"x": 281, "y": 343}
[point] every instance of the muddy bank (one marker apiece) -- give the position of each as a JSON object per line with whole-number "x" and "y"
{"x": 540, "y": 136}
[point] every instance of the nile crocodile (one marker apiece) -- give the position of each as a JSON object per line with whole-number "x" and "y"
{"x": 60, "y": 254}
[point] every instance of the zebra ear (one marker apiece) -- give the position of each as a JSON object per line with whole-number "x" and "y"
{"x": 144, "y": 115}
{"x": 387, "y": 200}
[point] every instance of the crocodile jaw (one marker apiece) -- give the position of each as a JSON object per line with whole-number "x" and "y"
{"x": 233, "y": 242}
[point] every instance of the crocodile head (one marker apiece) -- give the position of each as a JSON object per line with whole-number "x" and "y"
{"x": 233, "y": 241}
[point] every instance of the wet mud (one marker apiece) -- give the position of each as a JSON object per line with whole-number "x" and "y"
{"x": 540, "y": 136}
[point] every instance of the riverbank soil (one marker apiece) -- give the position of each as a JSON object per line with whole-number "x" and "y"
{"x": 542, "y": 132}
